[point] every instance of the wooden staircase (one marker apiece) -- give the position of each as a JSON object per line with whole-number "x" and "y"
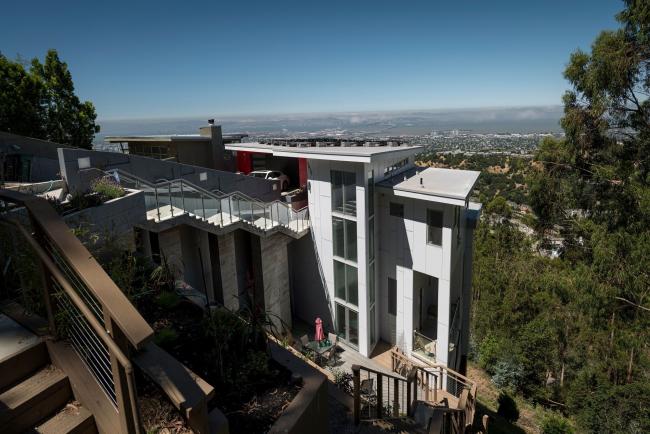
{"x": 35, "y": 396}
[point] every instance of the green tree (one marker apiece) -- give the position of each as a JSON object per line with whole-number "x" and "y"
{"x": 41, "y": 102}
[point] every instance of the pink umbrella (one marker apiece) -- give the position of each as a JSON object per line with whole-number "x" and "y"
{"x": 319, "y": 330}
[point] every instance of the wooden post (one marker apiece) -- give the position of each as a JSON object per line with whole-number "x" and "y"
{"x": 435, "y": 389}
{"x": 356, "y": 376}
{"x": 128, "y": 410}
{"x": 396, "y": 397}
{"x": 380, "y": 395}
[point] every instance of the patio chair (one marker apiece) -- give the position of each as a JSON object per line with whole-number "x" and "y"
{"x": 330, "y": 355}
{"x": 304, "y": 340}
{"x": 333, "y": 338}
{"x": 367, "y": 387}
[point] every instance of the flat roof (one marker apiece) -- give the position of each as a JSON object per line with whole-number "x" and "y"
{"x": 158, "y": 138}
{"x": 452, "y": 185}
{"x": 361, "y": 154}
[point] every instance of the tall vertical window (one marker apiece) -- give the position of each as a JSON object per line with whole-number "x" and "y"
{"x": 371, "y": 284}
{"x": 392, "y": 296}
{"x": 344, "y": 192}
{"x": 344, "y": 238}
{"x": 345, "y": 282}
{"x": 371, "y": 239}
{"x": 434, "y": 227}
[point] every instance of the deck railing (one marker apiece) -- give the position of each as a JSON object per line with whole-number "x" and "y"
{"x": 434, "y": 382}
{"x": 380, "y": 395}
{"x": 84, "y": 306}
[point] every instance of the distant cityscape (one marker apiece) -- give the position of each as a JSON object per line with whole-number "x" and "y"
{"x": 498, "y": 130}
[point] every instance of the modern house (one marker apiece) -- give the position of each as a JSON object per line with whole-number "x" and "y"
{"x": 377, "y": 247}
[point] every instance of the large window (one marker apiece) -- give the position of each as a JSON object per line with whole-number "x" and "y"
{"x": 434, "y": 227}
{"x": 344, "y": 192}
{"x": 345, "y": 282}
{"x": 347, "y": 324}
{"x": 345, "y": 238}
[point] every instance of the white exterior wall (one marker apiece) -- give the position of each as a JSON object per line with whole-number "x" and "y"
{"x": 403, "y": 248}
{"x": 320, "y": 212}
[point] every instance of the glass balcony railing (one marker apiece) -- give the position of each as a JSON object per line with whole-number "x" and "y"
{"x": 173, "y": 198}
{"x": 424, "y": 346}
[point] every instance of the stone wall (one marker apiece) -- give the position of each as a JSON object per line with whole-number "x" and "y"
{"x": 275, "y": 272}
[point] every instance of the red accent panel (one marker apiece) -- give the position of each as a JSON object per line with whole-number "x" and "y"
{"x": 244, "y": 162}
{"x": 302, "y": 171}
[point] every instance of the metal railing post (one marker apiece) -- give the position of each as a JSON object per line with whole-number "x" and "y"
{"x": 171, "y": 202}
{"x": 380, "y": 396}
{"x": 203, "y": 204}
{"x": 155, "y": 192}
{"x": 395, "y": 397}
{"x": 182, "y": 197}
{"x": 356, "y": 378}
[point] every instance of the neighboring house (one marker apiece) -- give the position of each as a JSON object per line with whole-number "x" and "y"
{"x": 204, "y": 149}
{"x": 24, "y": 159}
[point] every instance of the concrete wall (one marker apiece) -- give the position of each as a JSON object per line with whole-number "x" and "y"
{"x": 275, "y": 275}
{"x": 115, "y": 218}
{"x": 153, "y": 170}
{"x": 42, "y": 154}
{"x": 308, "y": 296}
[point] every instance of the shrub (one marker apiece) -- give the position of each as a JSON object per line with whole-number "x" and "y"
{"x": 166, "y": 337}
{"x": 507, "y": 408}
{"x": 167, "y": 300}
{"x": 108, "y": 188}
{"x": 555, "y": 424}
{"x": 508, "y": 374}
{"x": 489, "y": 351}
{"x": 343, "y": 380}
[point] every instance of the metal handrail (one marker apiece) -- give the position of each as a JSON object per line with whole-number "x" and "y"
{"x": 99, "y": 330}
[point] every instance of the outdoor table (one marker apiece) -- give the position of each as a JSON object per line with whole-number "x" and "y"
{"x": 318, "y": 349}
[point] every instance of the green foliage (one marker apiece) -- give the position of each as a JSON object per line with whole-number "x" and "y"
{"x": 507, "y": 408}
{"x": 498, "y": 207}
{"x": 556, "y": 424}
{"x": 578, "y": 326}
{"x": 167, "y": 299}
{"x": 343, "y": 380}
{"x": 108, "y": 188}
{"x": 166, "y": 337}
{"x": 40, "y": 102}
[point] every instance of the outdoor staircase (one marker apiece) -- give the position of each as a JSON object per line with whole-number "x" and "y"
{"x": 431, "y": 399}
{"x": 36, "y": 396}
{"x": 214, "y": 210}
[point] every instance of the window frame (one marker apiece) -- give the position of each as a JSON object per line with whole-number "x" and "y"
{"x": 433, "y": 216}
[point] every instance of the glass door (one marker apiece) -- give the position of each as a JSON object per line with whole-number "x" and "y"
{"x": 347, "y": 324}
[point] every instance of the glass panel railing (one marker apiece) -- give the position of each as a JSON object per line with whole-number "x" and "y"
{"x": 177, "y": 199}
{"x": 212, "y": 206}
{"x": 193, "y": 200}
{"x": 424, "y": 346}
{"x": 164, "y": 202}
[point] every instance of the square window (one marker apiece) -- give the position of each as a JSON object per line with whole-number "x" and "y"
{"x": 397, "y": 209}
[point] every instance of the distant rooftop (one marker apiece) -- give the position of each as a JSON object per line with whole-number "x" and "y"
{"x": 171, "y": 138}
{"x": 340, "y": 150}
{"x": 451, "y": 185}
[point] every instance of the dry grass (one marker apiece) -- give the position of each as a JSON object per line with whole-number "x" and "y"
{"x": 488, "y": 395}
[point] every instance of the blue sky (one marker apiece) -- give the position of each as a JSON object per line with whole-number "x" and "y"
{"x": 141, "y": 59}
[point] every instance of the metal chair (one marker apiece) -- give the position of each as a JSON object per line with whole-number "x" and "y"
{"x": 333, "y": 338}
{"x": 304, "y": 340}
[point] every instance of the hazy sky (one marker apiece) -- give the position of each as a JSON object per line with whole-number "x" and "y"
{"x": 140, "y": 59}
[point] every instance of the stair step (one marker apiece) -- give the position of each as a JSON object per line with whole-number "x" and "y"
{"x": 71, "y": 420}
{"x": 19, "y": 365}
{"x": 34, "y": 399}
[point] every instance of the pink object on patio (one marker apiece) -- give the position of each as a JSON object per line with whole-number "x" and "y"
{"x": 319, "y": 330}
